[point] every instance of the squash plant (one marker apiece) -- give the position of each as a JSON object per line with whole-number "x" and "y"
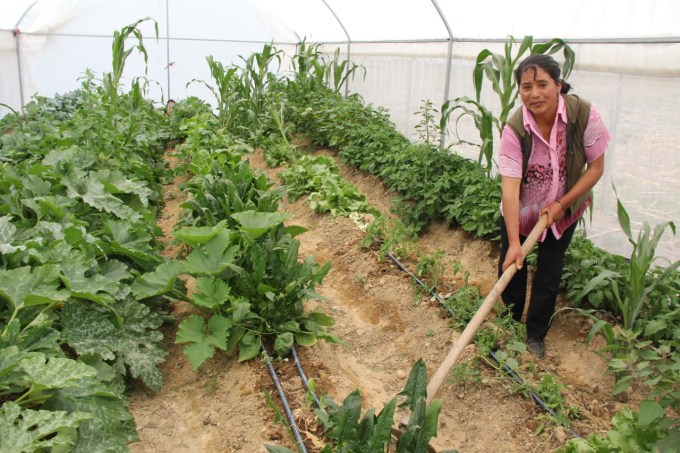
{"x": 73, "y": 238}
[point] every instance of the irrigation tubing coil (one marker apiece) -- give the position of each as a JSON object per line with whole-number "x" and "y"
{"x": 492, "y": 353}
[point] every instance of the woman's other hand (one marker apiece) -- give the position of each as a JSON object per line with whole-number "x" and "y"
{"x": 555, "y": 210}
{"x": 514, "y": 255}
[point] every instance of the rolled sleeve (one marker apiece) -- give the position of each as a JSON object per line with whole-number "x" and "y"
{"x": 510, "y": 155}
{"x": 595, "y": 137}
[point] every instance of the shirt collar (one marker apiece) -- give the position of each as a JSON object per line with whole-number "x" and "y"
{"x": 530, "y": 123}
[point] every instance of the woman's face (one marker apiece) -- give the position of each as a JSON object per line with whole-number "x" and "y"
{"x": 539, "y": 92}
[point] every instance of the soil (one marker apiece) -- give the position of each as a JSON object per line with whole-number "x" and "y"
{"x": 387, "y": 325}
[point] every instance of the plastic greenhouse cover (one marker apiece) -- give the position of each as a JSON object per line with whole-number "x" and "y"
{"x": 363, "y": 20}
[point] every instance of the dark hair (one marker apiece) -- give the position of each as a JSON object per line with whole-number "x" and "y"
{"x": 545, "y": 62}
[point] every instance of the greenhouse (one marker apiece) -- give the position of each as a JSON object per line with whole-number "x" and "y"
{"x": 200, "y": 199}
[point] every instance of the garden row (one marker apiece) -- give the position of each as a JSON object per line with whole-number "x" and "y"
{"x": 83, "y": 282}
{"x": 80, "y": 187}
{"x": 642, "y": 296}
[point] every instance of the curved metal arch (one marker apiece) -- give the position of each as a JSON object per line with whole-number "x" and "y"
{"x": 18, "y": 48}
{"x": 349, "y": 41}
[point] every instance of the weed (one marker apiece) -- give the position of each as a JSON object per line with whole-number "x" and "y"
{"x": 210, "y": 386}
{"x": 391, "y": 235}
{"x": 431, "y": 268}
{"x": 466, "y": 372}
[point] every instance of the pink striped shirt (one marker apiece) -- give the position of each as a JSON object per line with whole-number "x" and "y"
{"x": 547, "y": 168}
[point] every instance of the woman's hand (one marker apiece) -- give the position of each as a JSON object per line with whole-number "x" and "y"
{"x": 555, "y": 210}
{"x": 514, "y": 255}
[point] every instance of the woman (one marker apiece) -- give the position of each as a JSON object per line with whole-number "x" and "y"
{"x": 543, "y": 154}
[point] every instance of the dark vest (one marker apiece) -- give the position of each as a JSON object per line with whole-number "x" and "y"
{"x": 578, "y": 111}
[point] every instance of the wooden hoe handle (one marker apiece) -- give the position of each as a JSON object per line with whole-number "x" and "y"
{"x": 477, "y": 320}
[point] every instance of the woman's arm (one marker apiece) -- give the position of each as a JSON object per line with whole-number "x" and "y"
{"x": 510, "y": 196}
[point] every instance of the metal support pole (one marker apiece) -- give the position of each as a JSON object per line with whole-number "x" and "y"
{"x": 167, "y": 42}
{"x": 348, "y": 63}
{"x": 447, "y": 82}
{"x": 17, "y": 33}
{"x": 21, "y": 82}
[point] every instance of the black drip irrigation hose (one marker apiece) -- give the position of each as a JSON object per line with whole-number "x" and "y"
{"x": 303, "y": 378}
{"x": 284, "y": 402}
{"x": 433, "y": 293}
{"x": 506, "y": 369}
{"x": 534, "y": 396}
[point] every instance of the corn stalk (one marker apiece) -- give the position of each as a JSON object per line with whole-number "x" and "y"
{"x": 120, "y": 54}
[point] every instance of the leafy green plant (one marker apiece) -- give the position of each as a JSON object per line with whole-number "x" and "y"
{"x": 279, "y": 152}
{"x": 583, "y": 262}
{"x": 225, "y": 190}
{"x": 328, "y": 192}
{"x": 427, "y": 130}
{"x": 463, "y": 304}
{"x": 430, "y": 268}
{"x": 631, "y": 431}
{"x": 634, "y": 296}
{"x": 250, "y": 284}
{"x": 349, "y": 432}
{"x": 550, "y": 389}
{"x": 80, "y": 179}
{"x": 391, "y": 235}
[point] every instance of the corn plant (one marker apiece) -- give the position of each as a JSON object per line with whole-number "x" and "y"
{"x": 120, "y": 54}
{"x": 634, "y": 355}
{"x": 634, "y": 296}
{"x": 337, "y": 72}
{"x": 312, "y": 70}
{"x": 224, "y": 92}
{"x": 306, "y": 65}
{"x": 499, "y": 70}
{"x": 255, "y": 79}
{"x": 484, "y": 122}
